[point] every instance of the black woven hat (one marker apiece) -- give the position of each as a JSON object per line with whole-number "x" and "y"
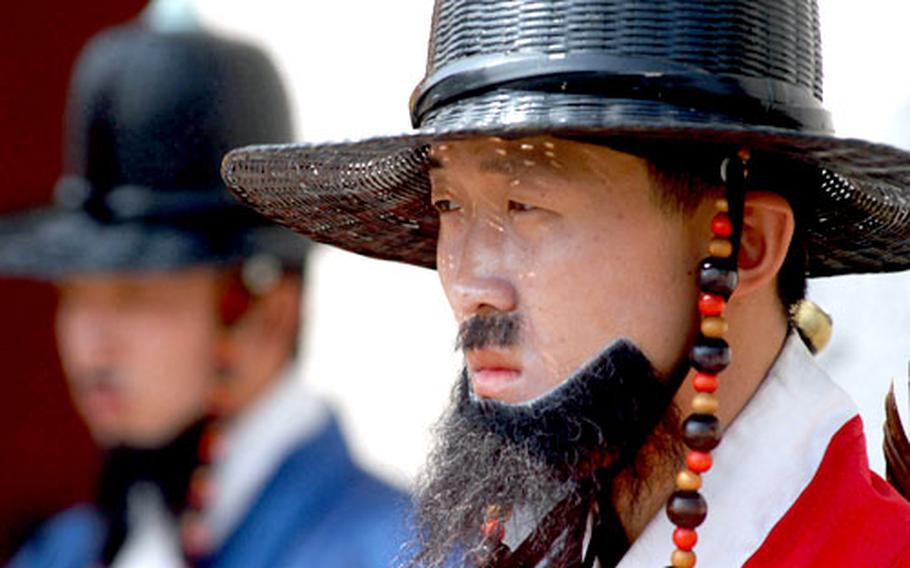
{"x": 150, "y": 115}
{"x": 732, "y": 73}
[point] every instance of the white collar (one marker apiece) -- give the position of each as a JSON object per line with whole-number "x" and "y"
{"x": 152, "y": 539}
{"x": 257, "y": 441}
{"x": 768, "y": 455}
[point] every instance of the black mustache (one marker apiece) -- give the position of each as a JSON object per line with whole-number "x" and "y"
{"x": 492, "y": 330}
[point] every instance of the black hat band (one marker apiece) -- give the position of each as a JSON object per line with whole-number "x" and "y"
{"x": 128, "y": 203}
{"x": 750, "y": 100}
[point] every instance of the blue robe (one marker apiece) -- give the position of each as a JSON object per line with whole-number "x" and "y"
{"x": 318, "y": 510}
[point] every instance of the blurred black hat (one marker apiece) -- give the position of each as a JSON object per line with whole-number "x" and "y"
{"x": 150, "y": 115}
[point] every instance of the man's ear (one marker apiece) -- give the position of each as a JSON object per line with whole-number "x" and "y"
{"x": 253, "y": 348}
{"x": 768, "y": 226}
{"x": 269, "y": 318}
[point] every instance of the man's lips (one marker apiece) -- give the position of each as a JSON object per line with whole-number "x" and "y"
{"x": 493, "y": 373}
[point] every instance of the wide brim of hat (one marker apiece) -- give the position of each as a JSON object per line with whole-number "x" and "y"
{"x": 55, "y": 243}
{"x": 371, "y": 197}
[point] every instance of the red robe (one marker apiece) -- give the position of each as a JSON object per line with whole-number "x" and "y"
{"x": 847, "y": 516}
{"x": 791, "y": 485}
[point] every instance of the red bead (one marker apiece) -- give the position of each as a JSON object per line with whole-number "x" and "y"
{"x": 705, "y": 383}
{"x": 721, "y": 225}
{"x": 699, "y": 462}
{"x": 492, "y": 528}
{"x": 196, "y": 539}
{"x": 201, "y": 488}
{"x": 211, "y": 445}
{"x": 685, "y": 539}
{"x": 711, "y": 304}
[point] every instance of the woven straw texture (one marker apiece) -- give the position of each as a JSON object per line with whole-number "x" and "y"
{"x": 371, "y": 197}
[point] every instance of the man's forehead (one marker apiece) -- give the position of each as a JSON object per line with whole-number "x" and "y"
{"x": 136, "y": 279}
{"x": 544, "y": 156}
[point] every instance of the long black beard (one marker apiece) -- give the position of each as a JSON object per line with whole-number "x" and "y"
{"x": 563, "y": 447}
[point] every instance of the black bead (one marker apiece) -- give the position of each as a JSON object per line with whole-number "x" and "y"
{"x": 710, "y": 355}
{"x": 687, "y": 509}
{"x": 717, "y": 276}
{"x": 701, "y": 432}
{"x": 490, "y": 553}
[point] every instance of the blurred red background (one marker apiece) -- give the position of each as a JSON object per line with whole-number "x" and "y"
{"x": 47, "y": 460}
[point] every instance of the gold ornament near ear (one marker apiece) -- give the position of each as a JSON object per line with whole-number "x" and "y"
{"x": 813, "y": 324}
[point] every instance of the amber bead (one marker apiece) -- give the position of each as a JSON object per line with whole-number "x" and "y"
{"x": 721, "y": 248}
{"x": 687, "y": 509}
{"x": 710, "y": 355}
{"x": 713, "y": 326}
{"x": 699, "y": 462}
{"x": 717, "y": 276}
{"x": 685, "y": 539}
{"x": 722, "y": 205}
{"x": 701, "y": 432}
{"x": 711, "y": 305}
{"x": 682, "y": 559}
{"x": 705, "y": 382}
{"x": 687, "y": 480}
{"x": 704, "y": 403}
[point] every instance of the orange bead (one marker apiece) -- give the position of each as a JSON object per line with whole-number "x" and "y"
{"x": 713, "y": 326}
{"x": 722, "y": 205}
{"x": 720, "y": 248}
{"x": 705, "y": 403}
{"x": 699, "y": 462}
{"x": 705, "y": 383}
{"x": 687, "y": 480}
{"x": 685, "y": 539}
{"x": 682, "y": 559}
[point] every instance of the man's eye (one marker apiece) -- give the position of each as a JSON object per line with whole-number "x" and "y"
{"x": 518, "y": 206}
{"x": 445, "y": 205}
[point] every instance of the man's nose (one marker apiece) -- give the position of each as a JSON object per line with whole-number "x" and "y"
{"x": 86, "y": 337}
{"x": 477, "y": 275}
{"x": 478, "y": 295}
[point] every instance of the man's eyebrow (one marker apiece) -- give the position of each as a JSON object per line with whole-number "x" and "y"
{"x": 433, "y": 163}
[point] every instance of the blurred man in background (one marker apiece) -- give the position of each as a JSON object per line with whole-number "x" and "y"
{"x": 178, "y": 324}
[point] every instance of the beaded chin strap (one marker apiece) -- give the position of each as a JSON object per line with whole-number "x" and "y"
{"x": 196, "y": 539}
{"x": 717, "y": 279}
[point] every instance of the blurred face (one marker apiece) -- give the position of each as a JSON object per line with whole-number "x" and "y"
{"x": 569, "y": 241}
{"x": 138, "y": 352}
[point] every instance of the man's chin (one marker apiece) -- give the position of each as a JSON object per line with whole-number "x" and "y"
{"x": 518, "y": 457}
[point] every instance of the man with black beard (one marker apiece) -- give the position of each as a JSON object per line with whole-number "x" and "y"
{"x": 618, "y": 197}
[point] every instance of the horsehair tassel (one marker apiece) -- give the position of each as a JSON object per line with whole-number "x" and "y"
{"x": 717, "y": 280}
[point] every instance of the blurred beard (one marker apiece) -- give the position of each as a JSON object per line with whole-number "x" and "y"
{"x": 563, "y": 448}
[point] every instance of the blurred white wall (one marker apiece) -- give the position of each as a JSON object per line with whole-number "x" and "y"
{"x": 380, "y": 336}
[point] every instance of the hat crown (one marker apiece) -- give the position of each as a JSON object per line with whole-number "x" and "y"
{"x": 158, "y": 110}
{"x": 776, "y": 39}
{"x": 755, "y": 62}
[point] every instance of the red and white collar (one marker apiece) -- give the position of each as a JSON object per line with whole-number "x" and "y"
{"x": 768, "y": 456}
